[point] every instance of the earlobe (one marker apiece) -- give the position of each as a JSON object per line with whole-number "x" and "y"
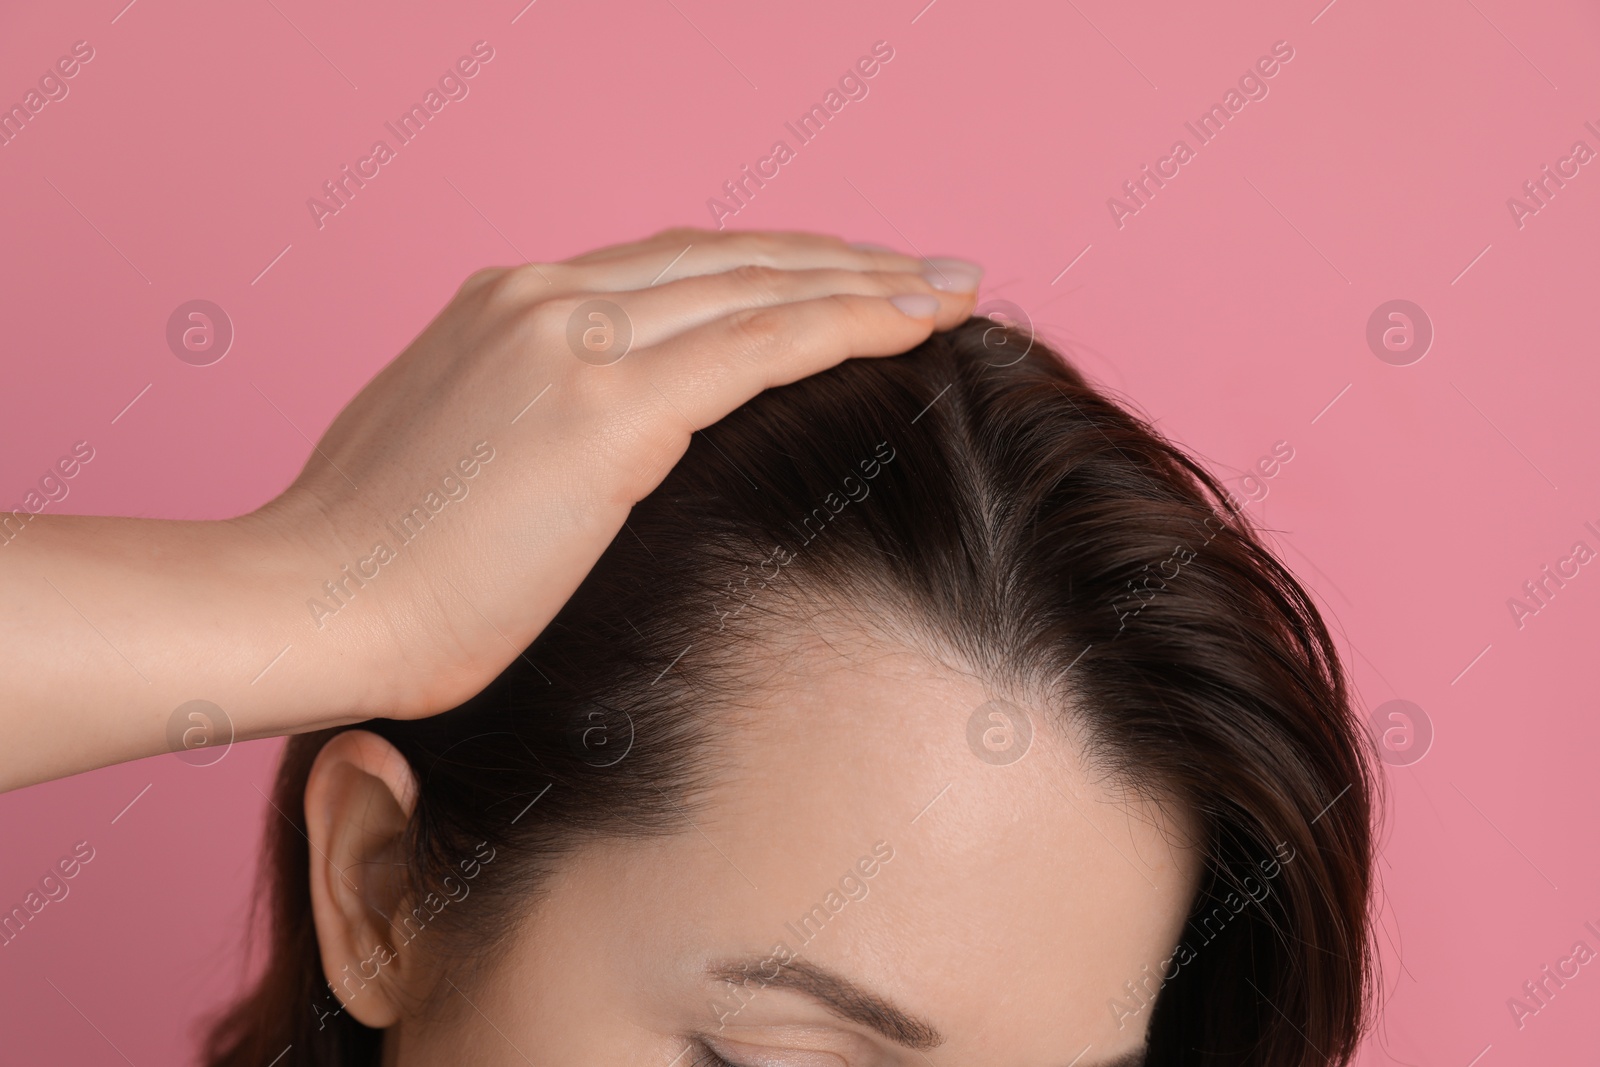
{"x": 358, "y": 802}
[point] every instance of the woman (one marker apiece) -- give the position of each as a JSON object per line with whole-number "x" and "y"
{"x": 926, "y": 709}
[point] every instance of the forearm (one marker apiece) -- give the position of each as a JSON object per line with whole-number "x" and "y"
{"x": 109, "y": 625}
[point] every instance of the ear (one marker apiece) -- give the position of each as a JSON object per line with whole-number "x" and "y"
{"x": 359, "y": 799}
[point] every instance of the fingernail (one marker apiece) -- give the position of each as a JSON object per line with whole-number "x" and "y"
{"x": 864, "y": 246}
{"x": 917, "y": 305}
{"x": 952, "y": 275}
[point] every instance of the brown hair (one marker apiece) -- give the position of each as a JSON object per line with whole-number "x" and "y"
{"x": 1001, "y": 504}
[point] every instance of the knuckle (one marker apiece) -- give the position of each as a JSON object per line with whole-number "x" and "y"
{"x": 768, "y": 250}
{"x": 520, "y": 285}
{"x": 845, "y": 307}
{"x": 851, "y": 315}
{"x": 762, "y": 279}
{"x": 541, "y": 277}
{"x": 760, "y": 249}
{"x": 524, "y": 284}
{"x": 757, "y": 330}
{"x": 498, "y": 288}
{"x": 592, "y": 327}
{"x": 547, "y": 319}
{"x": 480, "y": 278}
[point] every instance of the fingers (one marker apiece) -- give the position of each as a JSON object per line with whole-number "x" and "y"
{"x": 631, "y": 247}
{"x": 674, "y": 255}
{"x": 705, "y": 373}
{"x": 658, "y": 313}
{"x": 685, "y": 253}
{"x": 680, "y": 237}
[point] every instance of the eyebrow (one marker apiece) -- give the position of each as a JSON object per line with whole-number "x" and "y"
{"x": 849, "y": 1001}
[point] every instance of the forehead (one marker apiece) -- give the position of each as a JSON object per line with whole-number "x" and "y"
{"x": 861, "y": 819}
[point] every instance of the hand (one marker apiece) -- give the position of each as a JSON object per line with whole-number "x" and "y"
{"x": 446, "y": 515}
{"x": 534, "y": 455}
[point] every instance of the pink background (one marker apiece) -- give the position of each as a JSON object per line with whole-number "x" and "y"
{"x": 1232, "y": 308}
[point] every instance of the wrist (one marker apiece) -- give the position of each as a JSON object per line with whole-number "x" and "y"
{"x": 311, "y": 674}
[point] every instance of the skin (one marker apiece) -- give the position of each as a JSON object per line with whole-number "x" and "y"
{"x": 1006, "y": 905}
{"x": 1016, "y": 900}
{"x": 108, "y": 625}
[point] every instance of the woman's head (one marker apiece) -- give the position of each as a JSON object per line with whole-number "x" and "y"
{"x": 934, "y": 709}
